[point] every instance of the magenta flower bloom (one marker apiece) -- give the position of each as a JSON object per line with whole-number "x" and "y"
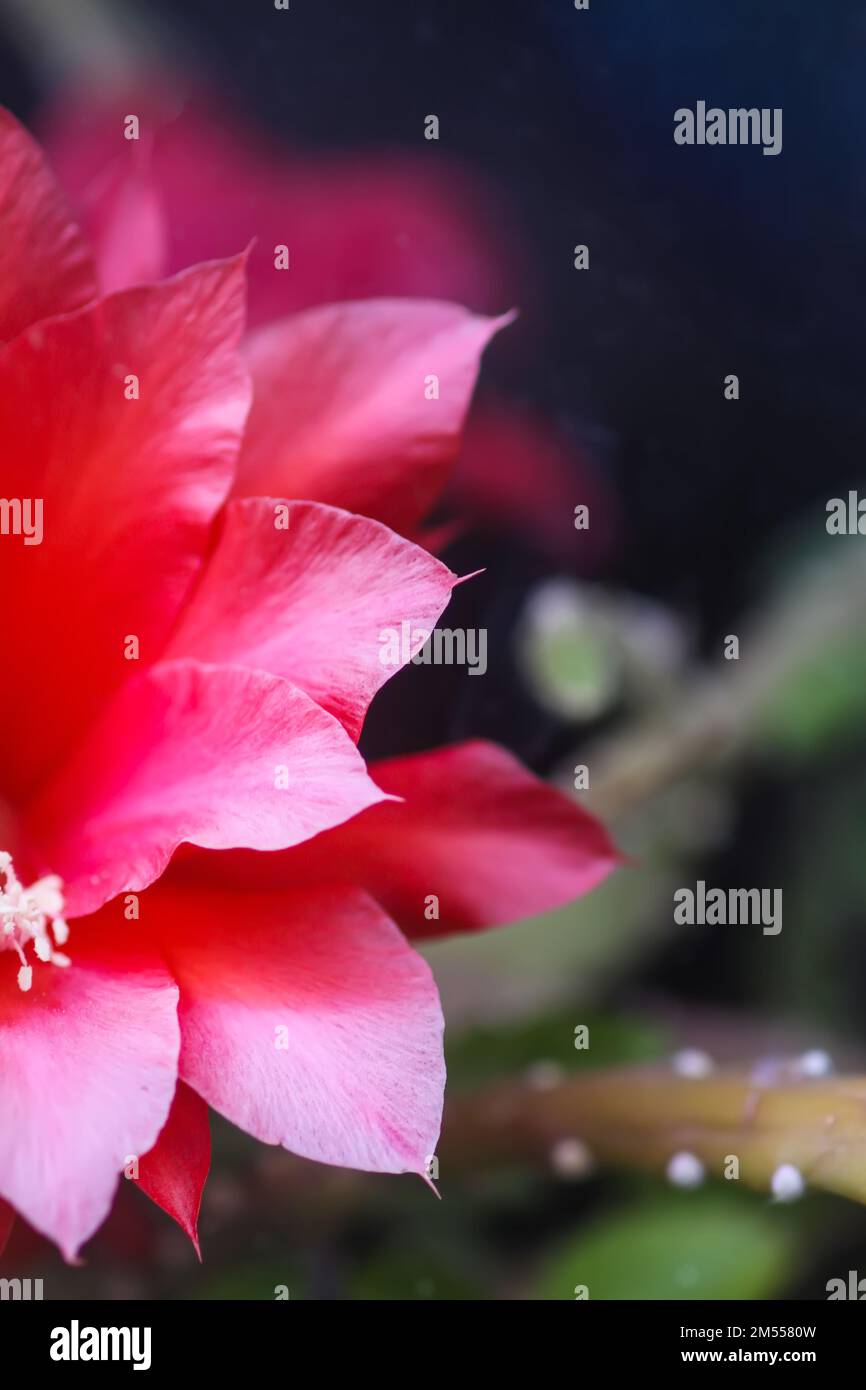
{"x": 205, "y": 895}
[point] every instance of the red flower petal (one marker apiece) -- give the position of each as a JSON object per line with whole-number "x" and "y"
{"x": 214, "y": 756}
{"x": 476, "y": 829}
{"x": 129, "y": 489}
{"x": 310, "y": 602}
{"x": 340, "y": 412}
{"x": 308, "y": 1021}
{"x": 175, "y": 1171}
{"x": 45, "y": 266}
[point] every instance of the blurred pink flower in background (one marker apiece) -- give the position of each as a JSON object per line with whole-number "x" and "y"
{"x": 190, "y": 663}
{"x": 199, "y": 185}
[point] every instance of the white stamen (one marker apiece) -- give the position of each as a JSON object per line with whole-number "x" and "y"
{"x": 25, "y": 917}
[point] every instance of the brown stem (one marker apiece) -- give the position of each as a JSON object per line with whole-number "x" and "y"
{"x": 640, "y": 1117}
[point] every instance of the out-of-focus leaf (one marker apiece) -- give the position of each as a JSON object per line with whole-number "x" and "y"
{"x": 819, "y": 973}
{"x": 805, "y": 683}
{"x": 694, "y": 1246}
{"x": 568, "y": 955}
{"x": 485, "y": 1054}
{"x": 822, "y": 704}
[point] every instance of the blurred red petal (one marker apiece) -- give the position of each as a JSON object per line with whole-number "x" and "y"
{"x": 355, "y": 228}
{"x": 488, "y": 839}
{"x": 516, "y": 470}
{"x": 125, "y": 221}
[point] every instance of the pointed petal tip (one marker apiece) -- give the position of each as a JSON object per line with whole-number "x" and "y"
{"x": 426, "y": 1178}
{"x": 464, "y": 578}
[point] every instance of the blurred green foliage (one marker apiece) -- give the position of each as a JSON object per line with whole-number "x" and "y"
{"x": 484, "y": 1054}
{"x": 821, "y": 706}
{"x": 694, "y": 1246}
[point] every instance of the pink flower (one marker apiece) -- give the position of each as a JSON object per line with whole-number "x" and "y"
{"x": 188, "y": 662}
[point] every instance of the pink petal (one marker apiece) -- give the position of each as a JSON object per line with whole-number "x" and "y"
{"x": 215, "y": 756}
{"x": 308, "y": 1021}
{"x": 340, "y": 413}
{"x": 174, "y": 1172}
{"x": 311, "y": 602}
{"x": 45, "y": 266}
{"x": 89, "y": 1071}
{"x": 126, "y": 222}
{"x": 129, "y": 490}
{"x": 476, "y": 830}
